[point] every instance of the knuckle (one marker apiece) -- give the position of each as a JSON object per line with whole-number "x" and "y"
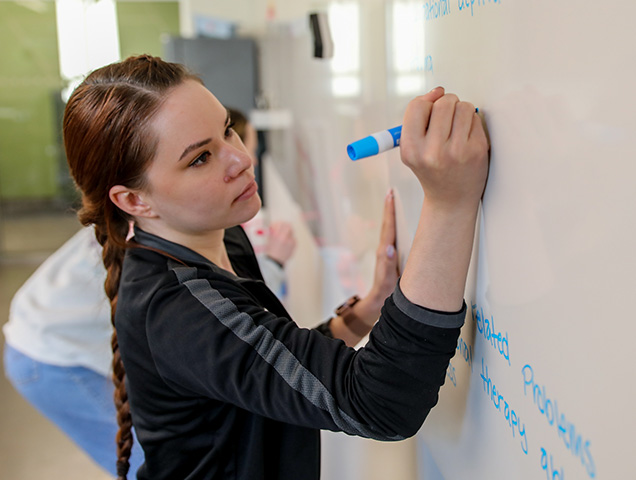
{"x": 447, "y": 100}
{"x": 465, "y": 107}
{"x": 456, "y": 150}
{"x": 420, "y": 101}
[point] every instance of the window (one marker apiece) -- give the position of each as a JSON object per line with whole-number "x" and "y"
{"x": 87, "y": 38}
{"x": 344, "y": 23}
{"x": 408, "y": 52}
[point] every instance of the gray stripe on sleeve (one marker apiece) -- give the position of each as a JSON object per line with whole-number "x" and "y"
{"x": 274, "y": 352}
{"x": 427, "y": 316}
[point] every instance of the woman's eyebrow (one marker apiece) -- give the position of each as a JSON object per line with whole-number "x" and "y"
{"x": 194, "y": 146}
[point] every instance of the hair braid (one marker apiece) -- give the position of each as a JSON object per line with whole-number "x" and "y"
{"x": 113, "y": 256}
{"x": 124, "y": 436}
{"x": 109, "y": 141}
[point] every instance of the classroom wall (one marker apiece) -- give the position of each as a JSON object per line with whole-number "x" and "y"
{"x": 29, "y": 80}
{"x": 143, "y": 26}
{"x": 32, "y": 163}
{"x": 251, "y": 17}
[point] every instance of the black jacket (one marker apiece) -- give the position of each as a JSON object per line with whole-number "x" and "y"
{"x": 223, "y": 385}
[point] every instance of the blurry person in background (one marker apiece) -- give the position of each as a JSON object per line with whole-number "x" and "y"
{"x": 273, "y": 242}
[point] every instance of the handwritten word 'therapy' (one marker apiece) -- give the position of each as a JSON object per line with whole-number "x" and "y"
{"x": 501, "y": 404}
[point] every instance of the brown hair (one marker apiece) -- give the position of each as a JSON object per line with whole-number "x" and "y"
{"x": 239, "y": 122}
{"x": 108, "y": 142}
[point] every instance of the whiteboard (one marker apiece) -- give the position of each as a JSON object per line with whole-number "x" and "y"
{"x": 540, "y": 386}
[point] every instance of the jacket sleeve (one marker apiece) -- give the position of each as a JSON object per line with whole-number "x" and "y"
{"x": 232, "y": 350}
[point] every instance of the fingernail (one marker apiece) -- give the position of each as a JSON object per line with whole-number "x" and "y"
{"x": 389, "y": 193}
{"x": 390, "y": 251}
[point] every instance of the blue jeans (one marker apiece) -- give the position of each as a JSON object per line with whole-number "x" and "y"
{"x": 78, "y": 400}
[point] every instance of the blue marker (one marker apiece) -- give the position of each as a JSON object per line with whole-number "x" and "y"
{"x": 377, "y": 143}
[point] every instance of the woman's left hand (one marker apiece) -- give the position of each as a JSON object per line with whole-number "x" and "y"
{"x": 386, "y": 262}
{"x": 366, "y": 311}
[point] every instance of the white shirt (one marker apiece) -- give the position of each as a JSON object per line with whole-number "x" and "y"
{"x": 61, "y": 315}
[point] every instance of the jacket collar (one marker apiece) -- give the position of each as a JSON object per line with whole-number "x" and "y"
{"x": 256, "y": 287}
{"x": 176, "y": 250}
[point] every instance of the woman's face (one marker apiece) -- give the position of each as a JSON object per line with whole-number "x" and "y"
{"x": 202, "y": 178}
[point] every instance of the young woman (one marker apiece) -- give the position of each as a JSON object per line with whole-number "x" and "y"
{"x": 220, "y": 383}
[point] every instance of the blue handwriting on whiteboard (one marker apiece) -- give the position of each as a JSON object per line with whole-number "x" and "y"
{"x": 502, "y": 405}
{"x": 450, "y": 373}
{"x": 428, "y": 64}
{"x": 566, "y": 429}
{"x": 466, "y": 351}
{"x": 486, "y": 327}
{"x": 464, "y": 4}
{"x": 551, "y": 473}
{"x": 435, "y": 9}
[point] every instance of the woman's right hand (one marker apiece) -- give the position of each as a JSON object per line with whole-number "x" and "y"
{"x": 444, "y": 144}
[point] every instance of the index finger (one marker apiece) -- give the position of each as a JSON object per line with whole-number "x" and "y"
{"x": 417, "y": 115}
{"x": 387, "y": 231}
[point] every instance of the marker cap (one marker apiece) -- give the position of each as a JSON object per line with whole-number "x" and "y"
{"x": 363, "y": 148}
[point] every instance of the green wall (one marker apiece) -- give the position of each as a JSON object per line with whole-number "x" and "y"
{"x": 32, "y": 164}
{"x": 142, "y": 24}
{"x": 29, "y": 79}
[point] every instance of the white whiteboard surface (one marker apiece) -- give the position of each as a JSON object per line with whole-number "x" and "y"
{"x": 541, "y": 385}
{"x": 554, "y": 259}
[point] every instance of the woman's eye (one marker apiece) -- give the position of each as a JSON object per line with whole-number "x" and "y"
{"x": 200, "y": 160}
{"x": 229, "y": 130}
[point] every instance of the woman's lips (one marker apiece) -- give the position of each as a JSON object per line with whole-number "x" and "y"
{"x": 247, "y": 192}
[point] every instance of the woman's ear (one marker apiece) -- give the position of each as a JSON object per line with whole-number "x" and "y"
{"x": 130, "y": 201}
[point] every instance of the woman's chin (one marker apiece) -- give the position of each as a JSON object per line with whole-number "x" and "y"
{"x": 254, "y": 205}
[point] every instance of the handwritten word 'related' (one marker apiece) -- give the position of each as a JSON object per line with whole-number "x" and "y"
{"x": 435, "y": 9}
{"x": 486, "y": 327}
{"x": 566, "y": 430}
{"x": 502, "y": 405}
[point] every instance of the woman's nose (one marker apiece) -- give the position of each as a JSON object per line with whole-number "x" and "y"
{"x": 238, "y": 160}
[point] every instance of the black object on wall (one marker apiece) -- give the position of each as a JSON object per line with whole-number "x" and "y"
{"x": 228, "y": 67}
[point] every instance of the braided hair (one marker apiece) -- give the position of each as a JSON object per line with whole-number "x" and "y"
{"x": 108, "y": 141}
